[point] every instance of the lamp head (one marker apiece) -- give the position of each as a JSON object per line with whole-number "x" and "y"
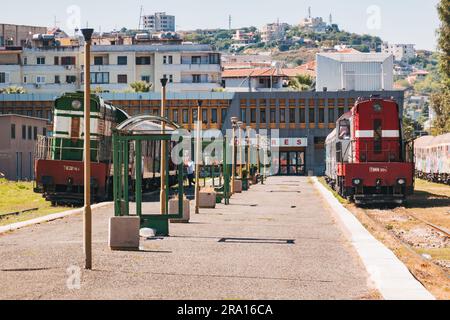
{"x": 87, "y": 34}
{"x": 164, "y": 81}
{"x": 200, "y": 103}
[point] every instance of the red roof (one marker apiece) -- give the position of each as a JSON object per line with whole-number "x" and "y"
{"x": 305, "y": 69}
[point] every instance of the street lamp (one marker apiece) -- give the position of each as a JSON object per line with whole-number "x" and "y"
{"x": 198, "y": 156}
{"x": 234, "y": 121}
{"x": 163, "y": 195}
{"x": 87, "y": 217}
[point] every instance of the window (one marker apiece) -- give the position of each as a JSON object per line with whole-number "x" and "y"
{"x": 196, "y": 78}
{"x": 98, "y": 61}
{"x": 185, "y": 116}
{"x": 24, "y": 79}
{"x": 44, "y": 132}
{"x": 30, "y": 131}
{"x": 214, "y": 58}
{"x": 122, "y": 78}
{"x": 244, "y": 115}
{"x": 302, "y": 115}
{"x": 321, "y": 115}
{"x": 13, "y": 131}
{"x": 331, "y": 118}
{"x": 145, "y": 79}
{"x": 214, "y": 116}
{"x": 283, "y": 115}
{"x": 273, "y": 115}
{"x": 56, "y": 59}
{"x": 71, "y": 79}
{"x": 196, "y": 60}
{"x": 25, "y": 61}
{"x": 312, "y": 115}
{"x": 24, "y": 132}
{"x": 175, "y": 115}
{"x": 40, "y": 80}
{"x": 35, "y": 133}
{"x": 168, "y": 60}
{"x": 292, "y": 115}
{"x": 205, "y": 116}
{"x": 57, "y": 79}
{"x": 68, "y": 61}
{"x": 253, "y": 115}
{"x": 122, "y": 60}
{"x": 262, "y": 116}
{"x": 40, "y": 60}
{"x": 100, "y": 77}
{"x": 169, "y": 77}
{"x": 4, "y": 77}
{"x": 344, "y": 129}
{"x": 194, "y": 115}
{"x": 140, "y": 61}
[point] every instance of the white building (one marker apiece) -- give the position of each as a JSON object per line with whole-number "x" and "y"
{"x": 159, "y": 21}
{"x": 273, "y": 32}
{"x": 114, "y": 68}
{"x": 354, "y": 72}
{"x": 313, "y": 24}
{"x": 401, "y": 52}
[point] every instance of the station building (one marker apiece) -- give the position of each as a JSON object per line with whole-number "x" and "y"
{"x": 303, "y": 119}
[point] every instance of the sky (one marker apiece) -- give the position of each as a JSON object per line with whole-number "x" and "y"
{"x": 396, "y": 21}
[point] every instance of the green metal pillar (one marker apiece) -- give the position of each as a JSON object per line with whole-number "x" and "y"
{"x": 126, "y": 187}
{"x": 138, "y": 162}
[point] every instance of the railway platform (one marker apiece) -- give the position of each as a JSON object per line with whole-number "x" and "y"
{"x": 277, "y": 241}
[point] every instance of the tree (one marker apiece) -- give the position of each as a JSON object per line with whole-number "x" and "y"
{"x": 141, "y": 86}
{"x": 440, "y": 100}
{"x": 301, "y": 82}
{"x": 13, "y": 90}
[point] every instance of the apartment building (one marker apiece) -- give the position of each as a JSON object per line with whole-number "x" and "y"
{"x": 60, "y": 69}
{"x": 273, "y": 32}
{"x": 159, "y": 21}
{"x": 18, "y": 35}
{"x": 401, "y": 52}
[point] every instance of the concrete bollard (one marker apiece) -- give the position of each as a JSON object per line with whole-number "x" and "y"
{"x": 124, "y": 233}
{"x": 173, "y": 209}
{"x": 207, "y": 199}
{"x": 238, "y": 186}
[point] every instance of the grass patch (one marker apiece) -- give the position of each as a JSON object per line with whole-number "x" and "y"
{"x": 436, "y": 254}
{"x": 19, "y": 196}
{"x": 336, "y": 195}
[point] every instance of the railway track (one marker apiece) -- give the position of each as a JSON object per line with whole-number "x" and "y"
{"x": 440, "y": 229}
{"x": 6, "y": 215}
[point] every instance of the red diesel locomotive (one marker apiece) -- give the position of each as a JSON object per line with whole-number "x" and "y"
{"x": 367, "y": 159}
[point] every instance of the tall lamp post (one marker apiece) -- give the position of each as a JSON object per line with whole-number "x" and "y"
{"x": 163, "y": 195}
{"x": 234, "y": 121}
{"x": 198, "y": 155}
{"x": 87, "y": 217}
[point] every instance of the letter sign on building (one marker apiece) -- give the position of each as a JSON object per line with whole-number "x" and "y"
{"x": 290, "y": 142}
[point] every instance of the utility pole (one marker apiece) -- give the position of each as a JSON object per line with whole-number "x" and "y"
{"x": 163, "y": 194}
{"x": 198, "y": 157}
{"x": 87, "y": 218}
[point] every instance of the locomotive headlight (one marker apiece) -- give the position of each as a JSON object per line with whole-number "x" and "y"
{"x": 401, "y": 181}
{"x": 357, "y": 182}
{"x": 76, "y": 104}
{"x": 377, "y": 107}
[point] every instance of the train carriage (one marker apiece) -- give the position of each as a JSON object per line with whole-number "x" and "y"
{"x": 59, "y": 167}
{"x": 432, "y": 158}
{"x": 366, "y": 158}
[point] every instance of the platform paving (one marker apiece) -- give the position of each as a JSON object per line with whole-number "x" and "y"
{"x": 276, "y": 241}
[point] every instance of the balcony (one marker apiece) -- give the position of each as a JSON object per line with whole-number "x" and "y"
{"x": 172, "y": 68}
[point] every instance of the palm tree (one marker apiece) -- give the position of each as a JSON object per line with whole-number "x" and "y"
{"x": 13, "y": 90}
{"x": 141, "y": 86}
{"x": 301, "y": 82}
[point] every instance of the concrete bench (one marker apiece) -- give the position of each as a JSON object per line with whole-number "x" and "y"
{"x": 173, "y": 209}
{"x": 124, "y": 233}
{"x": 207, "y": 199}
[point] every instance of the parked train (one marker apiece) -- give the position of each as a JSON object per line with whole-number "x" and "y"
{"x": 59, "y": 169}
{"x": 367, "y": 160}
{"x": 432, "y": 158}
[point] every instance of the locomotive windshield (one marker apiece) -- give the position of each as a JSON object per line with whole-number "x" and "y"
{"x": 344, "y": 130}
